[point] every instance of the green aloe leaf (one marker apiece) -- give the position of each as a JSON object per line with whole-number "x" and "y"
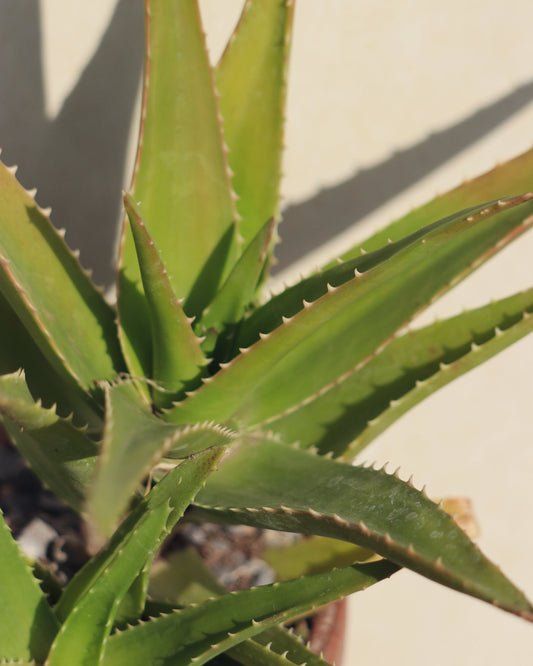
{"x": 85, "y": 630}
{"x": 275, "y": 648}
{"x": 347, "y": 326}
{"x": 177, "y": 356}
{"x": 251, "y": 81}
{"x": 184, "y": 578}
{"x": 198, "y": 633}
{"x": 314, "y": 555}
{"x": 238, "y": 291}
{"x": 504, "y": 180}
{"x": 351, "y": 412}
{"x": 268, "y": 484}
{"x": 87, "y": 618}
{"x": 19, "y": 351}
{"x": 134, "y": 441}
{"x": 181, "y": 175}
{"x": 45, "y": 285}
{"x": 61, "y": 454}
{"x": 27, "y": 625}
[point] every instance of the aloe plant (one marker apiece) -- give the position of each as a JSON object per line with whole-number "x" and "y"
{"x": 238, "y": 408}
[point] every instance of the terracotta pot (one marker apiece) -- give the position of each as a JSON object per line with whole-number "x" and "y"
{"x": 328, "y": 632}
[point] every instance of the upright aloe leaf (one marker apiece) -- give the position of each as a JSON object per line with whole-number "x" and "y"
{"x": 171, "y": 495}
{"x": 347, "y": 326}
{"x": 198, "y": 633}
{"x": 85, "y": 630}
{"x": 181, "y": 176}
{"x": 46, "y": 287}
{"x": 238, "y": 291}
{"x": 62, "y": 455}
{"x": 134, "y": 442}
{"x": 251, "y": 81}
{"x": 27, "y": 625}
{"x": 177, "y": 357}
{"x": 270, "y": 485}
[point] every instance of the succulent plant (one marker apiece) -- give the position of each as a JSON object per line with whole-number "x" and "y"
{"x": 195, "y": 394}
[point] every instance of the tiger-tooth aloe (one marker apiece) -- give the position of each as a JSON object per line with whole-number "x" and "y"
{"x": 221, "y": 404}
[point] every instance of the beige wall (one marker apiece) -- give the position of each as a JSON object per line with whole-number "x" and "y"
{"x": 389, "y": 103}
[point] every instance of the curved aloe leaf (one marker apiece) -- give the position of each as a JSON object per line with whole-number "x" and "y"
{"x": 198, "y": 633}
{"x": 181, "y": 175}
{"x": 275, "y": 648}
{"x": 46, "y": 286}
{"x": 170, "y": 497}
{"x": 62, "y": 455}
{"x": 239, "y": 289}
{"x": 85, "y": 630}
{"x": 134, "y": 441}
{"x": 19, "y": 351}
{"x": 177, "y": 356}
{"x": 271, "y": 485}
{"x": 406, "y": 371}
{"x": 27, "y": 625}
{"x": 350, "y": 324}
{"x": 504, "y": 180}
{"x": 251, "y": 81}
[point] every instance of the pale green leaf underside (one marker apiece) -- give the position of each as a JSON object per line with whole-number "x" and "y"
{"x": 27, "y": 625}
{"x": 349, "y": 324}
{"x": 177, "y": 358}
{"x": 270, "y": 485}
{"x": 251, "y": 81}
{"x": 201, "y": 632}
{"x": 314, "y": 555}
{"x": 46, "y": 286}
{"x": 406, "y": 371}
{"x": 62, "y": 455}
{"x": 134, "y": 441}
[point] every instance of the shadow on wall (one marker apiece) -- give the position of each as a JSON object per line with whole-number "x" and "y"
{"x": 335, "y": 209}
{"x": 77, "y": 160}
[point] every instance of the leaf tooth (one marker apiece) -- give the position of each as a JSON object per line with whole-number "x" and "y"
{"x": 340, "y": 520}
{"x": 363, "y": 527}
{"x": 475, "y": 347}
{"x": 13, "y": 169}
{"x": 263, "y": 336}
{"x": 331, "y": 289}
{"x": 357, "y": 273}
{"x": 362, "y": 250}
{"x": 389, "y": 541}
